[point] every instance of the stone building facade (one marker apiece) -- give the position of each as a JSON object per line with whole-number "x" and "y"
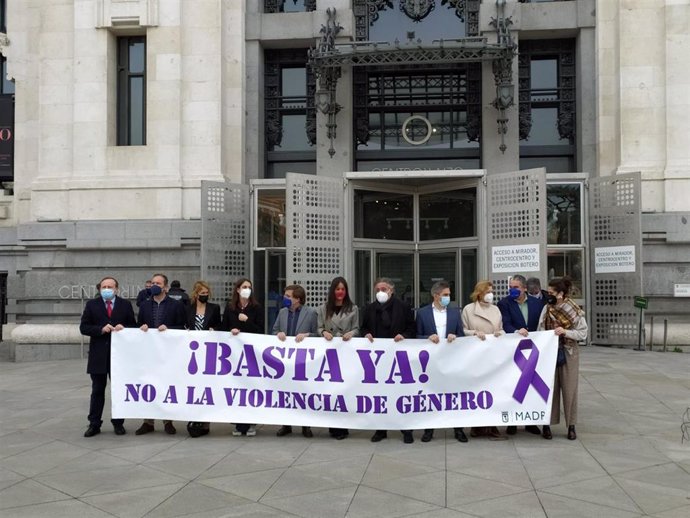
{"x": 123, "y": 107}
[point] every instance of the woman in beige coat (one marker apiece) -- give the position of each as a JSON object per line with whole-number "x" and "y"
{"x": 481, "y": 318}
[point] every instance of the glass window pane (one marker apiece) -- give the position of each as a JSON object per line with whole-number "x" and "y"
{"x": 393, "y": 23}
{"x": 442, "y": 164}
{"x": 468, "y": 268}
{"x": 294, "y": 133}
{"x": 446, "y": 215}
{"x": 570, "y": 263}
{"x": 293, "y": 6}
{"x": 553, "y": 164}
{"x": 383, "y": 215}
{"x": 564, "y": 214}
{"x": 137, "y": 57}
{"x": 136, "y": 111}
{"x": 545, "y": 128}
{"x": 544, "y": 77}
{"x": 294, "y": 82}
{"x": 280, "y": 169}
{"x": 271, "y": 218}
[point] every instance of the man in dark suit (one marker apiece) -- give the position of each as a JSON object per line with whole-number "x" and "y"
{"x": 439, "y": 320}
{"x": 160, "y": 312}
{"x": 103, "y": 316}
{"x": 520, "y": 315}
{"x": 300, "y": 321}
{"x": 388, "y": 317}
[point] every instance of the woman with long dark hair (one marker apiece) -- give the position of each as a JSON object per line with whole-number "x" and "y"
{"x": 338, "y": 317}
{"x": 567, "y": 320}
{"x": 243, "y": 314}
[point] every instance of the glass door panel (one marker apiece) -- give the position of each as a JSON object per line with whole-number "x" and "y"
{"x": 399, "y": 267}
{"x": 468, "y": 269}
{"x": 433, "y": 267}
{"x": 363, "y": 281}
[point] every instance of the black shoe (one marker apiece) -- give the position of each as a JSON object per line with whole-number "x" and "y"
{"x": 511, "y": 430}
{"x": 119, "y": 429}
{"x": 460, "y": 435}
{"x": 379, "y": 436}
{"x": 546, "y": 433}
{"x": 427, "y": 436}
{"x": 284, "y": 430}
{"x": 92, "y": 430}
{"x": 342, "y": 435}
{"x": 306, "y": 432}
{"x": 144, "y": 428}
{"x": 571, "y": 433}
{"x": 169, "y": 429}
{"x": 408, "y": 438}
{"x": 533, "y": 429}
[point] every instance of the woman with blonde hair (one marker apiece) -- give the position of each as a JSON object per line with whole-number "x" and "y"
{"x": 202, "y": 315}
{"x": 481, "y": 318}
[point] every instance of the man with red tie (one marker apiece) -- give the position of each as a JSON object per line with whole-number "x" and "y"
{"x": 103, "y": 316}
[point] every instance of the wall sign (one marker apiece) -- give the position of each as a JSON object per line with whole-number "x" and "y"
{"x": 515, "y": 258}
{"x": 614, "y": 259}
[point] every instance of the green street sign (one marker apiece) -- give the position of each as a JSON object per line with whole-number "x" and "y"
{"x": 641, "y": 302}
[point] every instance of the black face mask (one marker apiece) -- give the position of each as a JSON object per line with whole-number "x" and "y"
{"x": 203, "y": 299}
{"x": 551, "y": 299}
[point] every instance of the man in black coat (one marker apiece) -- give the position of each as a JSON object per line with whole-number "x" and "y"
{"x": 388, "y": 317}
{"x": 103, "y": 316}
{"x": 160, "y": 312}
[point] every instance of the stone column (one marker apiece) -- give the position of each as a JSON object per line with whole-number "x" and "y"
{"x": 677, "y": 79}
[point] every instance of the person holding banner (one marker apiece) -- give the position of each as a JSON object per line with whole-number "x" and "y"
{"x": 435, "y": 321}
{"x": 103, "y": 316}
{"x": 202, "y": 315}
{"x": 338, "y": 317}
{"x": 481, "y": 318}
{"x": 568, "y": 322}
{"x": 388, "y": 317}
{"x": 300, "y": 321}
{"x": 160, "y": 312}
{"x": 243, "y": 314}
{"x": 520, "y": 315}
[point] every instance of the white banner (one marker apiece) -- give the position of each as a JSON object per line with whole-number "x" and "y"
{"x": 412, "y": 384}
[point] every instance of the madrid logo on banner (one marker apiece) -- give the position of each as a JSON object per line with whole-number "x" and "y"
{"x": 412, "y": 384}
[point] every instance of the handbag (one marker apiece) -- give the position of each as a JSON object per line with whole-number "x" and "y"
{"x": 562, "y": 357}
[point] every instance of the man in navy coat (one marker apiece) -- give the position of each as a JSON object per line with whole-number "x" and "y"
{"x": 104, "y": 315}
{"x": 439, "y": 320}
{"x": 520, "y": 314}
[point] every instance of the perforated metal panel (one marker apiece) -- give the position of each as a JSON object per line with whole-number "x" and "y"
{"x": 615, "y": 231}
{"x": 225, "y": 238}
{"x": 516, "y": 219}
{"x": 314, "y": 238}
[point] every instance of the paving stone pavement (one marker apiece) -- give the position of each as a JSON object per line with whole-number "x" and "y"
{"x": 628, "y": 460}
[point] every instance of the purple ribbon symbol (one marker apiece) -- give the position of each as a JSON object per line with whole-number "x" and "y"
{"x": 529, "y": 374}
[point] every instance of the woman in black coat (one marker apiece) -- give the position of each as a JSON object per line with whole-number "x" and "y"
{"x": 243, "y": 314}
{"x": 202, "y": 315}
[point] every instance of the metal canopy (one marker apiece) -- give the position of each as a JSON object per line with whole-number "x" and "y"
{"x": 327, "y": 58}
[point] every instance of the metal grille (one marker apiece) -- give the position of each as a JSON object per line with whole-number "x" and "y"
{"x": 314, "y": 233}
{"x": 516, "y": 218}
{"x": 225, "y": 238}
{"x": 615, "y": 231}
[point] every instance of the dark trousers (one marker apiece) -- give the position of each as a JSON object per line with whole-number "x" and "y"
{"x": 98, "y": 384}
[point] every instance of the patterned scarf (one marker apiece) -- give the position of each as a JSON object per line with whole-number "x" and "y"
{"x": 566, "y": 315}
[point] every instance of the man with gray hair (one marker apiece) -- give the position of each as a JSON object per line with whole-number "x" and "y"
{"x": 534, "y": 289}
{"x": 387, "y": 317}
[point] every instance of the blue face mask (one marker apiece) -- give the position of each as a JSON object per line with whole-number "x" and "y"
{"x": 107, "y": 294}
{"x": 445, "y": 300}
{"x": 287, "y": 302}
{"x": 155, "y": 290}
{"x": 514, "y": 293}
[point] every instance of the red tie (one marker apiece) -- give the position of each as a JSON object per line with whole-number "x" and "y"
{"x": 109, "y": 307}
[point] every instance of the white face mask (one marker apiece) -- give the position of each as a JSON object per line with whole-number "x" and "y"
{"x": 382, "y": 297}
{"x": 489, "y": 298}
{"x": 245, "y": 293}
